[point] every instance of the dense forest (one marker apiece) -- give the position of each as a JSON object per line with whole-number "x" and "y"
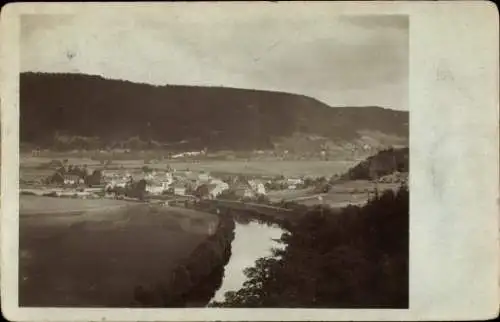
{"x": 383, "y": 163}
{"x": 354, "y": 259}
{"x": 86, "y": 108}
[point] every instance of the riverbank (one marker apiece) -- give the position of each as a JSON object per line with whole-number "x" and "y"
{"x": 246, "y": 250}
{"x": 193, "y": 282}
{"x": 355, "y": 258}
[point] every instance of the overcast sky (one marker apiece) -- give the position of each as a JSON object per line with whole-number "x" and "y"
{"x": 340, "y": 60}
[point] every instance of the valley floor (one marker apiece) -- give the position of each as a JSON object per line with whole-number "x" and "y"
{"x": 31, "y": 166}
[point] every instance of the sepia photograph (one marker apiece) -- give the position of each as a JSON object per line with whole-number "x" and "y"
{"x": 239, "y": 156}
{"x": 167, "y": 164}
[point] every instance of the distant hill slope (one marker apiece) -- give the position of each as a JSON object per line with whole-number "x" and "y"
{"x": 213, "y": 117}
{"x": 381, "y": 164}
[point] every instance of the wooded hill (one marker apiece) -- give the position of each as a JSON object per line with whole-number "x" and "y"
{"x": 381, "y": 164}
{"x": 191, "y": 117}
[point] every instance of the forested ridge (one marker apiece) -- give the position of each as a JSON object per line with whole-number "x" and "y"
{"x": 89, "y": 106}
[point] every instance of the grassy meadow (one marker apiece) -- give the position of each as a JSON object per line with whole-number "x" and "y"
{"x": 32, "y": 168}
{"x": 53, "y": 205}
{"x": 96, "y": 258}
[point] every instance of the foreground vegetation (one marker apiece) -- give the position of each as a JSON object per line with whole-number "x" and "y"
{"x": 358, "y": 258}
{"x": 383, "y": 163}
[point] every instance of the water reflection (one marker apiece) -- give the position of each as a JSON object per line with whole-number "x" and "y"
{"x": 253, "y": 239}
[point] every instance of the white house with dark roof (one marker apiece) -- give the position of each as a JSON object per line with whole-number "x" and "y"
{"x": 179, "y": 189}
{"x": 154, "y": 187}
{"x": 72, "y": 179}
{"x": 295, "y": 181}
{"x": 221, "y": 184}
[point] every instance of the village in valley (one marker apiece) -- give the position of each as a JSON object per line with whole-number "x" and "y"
{"x": 165, "y": 183}
{"x": 168, "y": 183}
{"x": 96, "y": 182}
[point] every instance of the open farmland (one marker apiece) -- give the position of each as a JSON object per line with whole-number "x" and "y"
{"x": 32, "y": 167}
{"x": 47, "y": 205}
{"x": 33, "y": 174}
{"x": 336, "y": 200}
{"x": 286, "y": 194}
{"x": 359, "y": 186}
{"x": 29, "y": 161}
{"x": 341, "y": 194}
{"x": 96, "y": 258}
{"x": 285, "y": 168}
{"x": 347, "y": 193}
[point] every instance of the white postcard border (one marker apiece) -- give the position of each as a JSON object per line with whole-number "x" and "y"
{"x": 454, "y": 179}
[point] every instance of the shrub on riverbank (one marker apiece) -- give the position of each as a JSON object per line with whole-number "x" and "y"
{"x": 352, "y": 259}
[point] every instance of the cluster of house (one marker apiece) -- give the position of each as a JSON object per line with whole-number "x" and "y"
{"x": 242, "y": 189}
{"x": 183, "y": 183}
{"x": 73, "y": 175}
{"x": 293, "y": 183}
{"x": 166, "y": 182}
{"x": 286, "y": 183}
{"x": 67, "y": 179}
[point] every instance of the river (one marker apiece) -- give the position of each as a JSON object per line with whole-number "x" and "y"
{"x": 252, "y": 241}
